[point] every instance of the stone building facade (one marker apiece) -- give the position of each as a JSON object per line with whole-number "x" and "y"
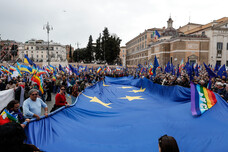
{"x": 217, "y": 32}
{"x": 194, "y": 42}
{"x": 137, "y": 48}
{"x": 194, "y": 49}
{"x": 37, "y": 50}
{"x": 122, "y": 55}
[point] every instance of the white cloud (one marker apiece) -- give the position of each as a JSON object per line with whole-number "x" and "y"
{"x": 74, "y": 20}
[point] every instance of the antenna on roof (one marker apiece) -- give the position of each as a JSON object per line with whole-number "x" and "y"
{"x": 189, "y": 17}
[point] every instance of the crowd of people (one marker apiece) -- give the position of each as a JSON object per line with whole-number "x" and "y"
{"x": 73, "y": 84}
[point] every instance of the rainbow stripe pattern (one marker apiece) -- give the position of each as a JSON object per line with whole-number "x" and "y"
{"x": 39, "y": 81}
{"x": 181, "y": 65}
{"x": 54, "y": 78}
{"x": 12, "y": 68}
{"x": 99, "y": 69}
{"x": 202, "y": 99}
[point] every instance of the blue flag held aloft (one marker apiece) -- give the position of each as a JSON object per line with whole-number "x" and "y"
{"x": 211, "y": 74}
{"x": 156, "y": 64}
{"x": 129, "y": 115}
{"x": 222, "y": 71}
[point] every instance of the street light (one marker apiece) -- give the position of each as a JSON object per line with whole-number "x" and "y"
{"x": 48, "y": 28}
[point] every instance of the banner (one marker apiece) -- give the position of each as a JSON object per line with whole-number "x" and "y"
{"x": 6, "y": 96}
{"x": 129, "y": 115}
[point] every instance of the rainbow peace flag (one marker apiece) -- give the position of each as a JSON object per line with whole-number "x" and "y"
{"x": 39, "y": 81}
{"x": 54, "y": 78}
{"x": 5, "y": 70}
{"x": 99, "y": 70}
{"x": 181, "y": 66}
{"x": 151, "y": 71}
{"x": 12, "y": 68}
{"x": 202, "y": 99}
{"x": 34, "y": 70}
{"x": 40, "y": 72}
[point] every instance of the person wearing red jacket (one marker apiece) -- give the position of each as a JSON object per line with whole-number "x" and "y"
{"x": 60, "y": 99}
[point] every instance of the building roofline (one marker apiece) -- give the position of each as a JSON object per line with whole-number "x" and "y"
{"x": 151, "y": 29}
{"x": 208, "y": 25}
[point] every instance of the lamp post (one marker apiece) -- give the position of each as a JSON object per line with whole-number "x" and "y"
{"x": 48, "y": 28}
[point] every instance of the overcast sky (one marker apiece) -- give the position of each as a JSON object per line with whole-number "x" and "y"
{"x": 74, "y": 20}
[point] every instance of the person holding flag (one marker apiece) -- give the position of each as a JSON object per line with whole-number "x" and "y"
{"x": 12, "y": 113}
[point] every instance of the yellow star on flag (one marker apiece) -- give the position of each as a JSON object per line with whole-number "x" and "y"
{"x": 105, "y": 85}
{"x": 136, "y": 91}
{"x": 95, "y": 99}
{"x": 130, "y": 98}
{"x": 125, "y": 87}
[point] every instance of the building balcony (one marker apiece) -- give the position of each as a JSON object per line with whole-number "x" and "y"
{"x": 219, "y": 55}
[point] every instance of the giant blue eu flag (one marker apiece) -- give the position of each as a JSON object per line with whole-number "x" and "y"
{"x": 129, "y": 115}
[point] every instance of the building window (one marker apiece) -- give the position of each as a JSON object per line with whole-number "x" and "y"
{"x": 123, "y": 55}
{"x": 37, "y": 56}
{"x": 219, "y": 45}
{"x": 41, "y": 56}
{"x": 227, "y": 46}
{"x": 31, "y": 51}
{"x": 31, "y": 47}
{"x": 218, "y": 63}
{"x": 56, "y": 52}
{"x": 226, "y": 63}
{"x": 123, "y": 51}
{"x": 145, "y": 36}
{"x": 151, "y": 36}
{"x": 219, "y": 53}
{"x": 192, "y": 62}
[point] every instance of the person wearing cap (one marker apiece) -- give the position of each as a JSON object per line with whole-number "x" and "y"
{"x": 220, "y": 88}
{"x": 32, "y": 105}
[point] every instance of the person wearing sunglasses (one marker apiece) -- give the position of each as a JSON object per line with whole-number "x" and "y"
{"x": 60, "y": 99}
{"x": 32, "y": 105}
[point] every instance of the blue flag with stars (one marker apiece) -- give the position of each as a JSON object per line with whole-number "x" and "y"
{"x": 129, "y": 115}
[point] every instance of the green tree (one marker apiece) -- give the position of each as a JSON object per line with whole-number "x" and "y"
{"x": 98, "y": 51}
{"x": 79, "y": 55}
{"x": 75, "y": 55}
{"x": 89, "y": 50}
{"x": 104, "y": 43}
{"x": 110, "y": 46}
